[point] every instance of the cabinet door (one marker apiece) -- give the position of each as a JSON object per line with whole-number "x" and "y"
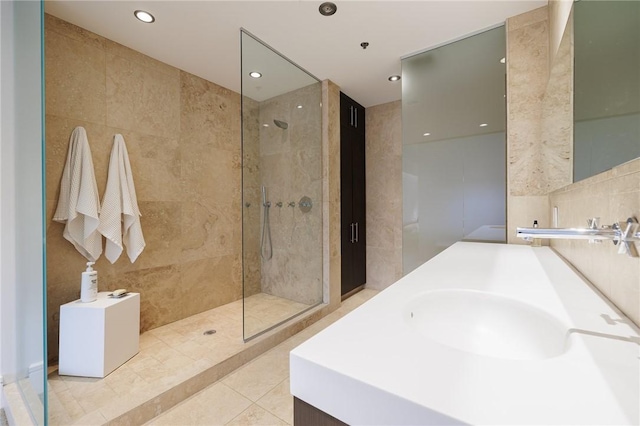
{"x": 352, "y": 172}
{"x": 359, "y": 203}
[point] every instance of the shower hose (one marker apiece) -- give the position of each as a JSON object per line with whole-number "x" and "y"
{"x": 266, "y": 248}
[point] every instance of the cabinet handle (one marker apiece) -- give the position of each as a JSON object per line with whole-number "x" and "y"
{"x": 352, "y": 234}
{"x": 357, "y": 232}
{"x": 356, "y": 110}
{"x": 351, "y": 112}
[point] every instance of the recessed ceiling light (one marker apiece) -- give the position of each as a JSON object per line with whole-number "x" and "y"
{"x": 394, "y": 78}
{"x": 265, "y": 125}
{"x": 255, "y": 74}
{"x": 299, "y": 106}
{"x": 327, "y": 8}
{"x": 144, "y": 16}
{"x": 484, "y": 125}
{"x": 503, "y": 60}
{"x": 427, "y": 134}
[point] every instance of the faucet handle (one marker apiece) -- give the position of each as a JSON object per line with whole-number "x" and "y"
{"x": 626, "y": 237}
{"x": 593, "y": 223}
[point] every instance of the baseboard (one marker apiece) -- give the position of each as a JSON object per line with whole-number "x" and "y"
{"x": 14, "y": 407}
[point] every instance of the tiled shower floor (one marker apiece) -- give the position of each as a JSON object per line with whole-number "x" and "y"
{"x": 168, "y": 355}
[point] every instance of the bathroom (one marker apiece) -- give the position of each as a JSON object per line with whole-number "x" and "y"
{"x": 617, "y": 278}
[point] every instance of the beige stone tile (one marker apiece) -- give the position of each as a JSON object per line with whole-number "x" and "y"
{"x": 81, "y": 94}
{"x": 93, "y": 418}
{"x": 64, "y": 408}
{"x": 142, "y": 98}
{"x": 528, "y": 18}
{"x": 208, "y": 230}
{"x": 255, "y": 415}
{"x": 258, "y": 377}
{"x": 64, "y": 28}
{"x": 125, "y": 380}
{"x": 216, "y": 405}
{"x": 279, "y": 402}
{"x": 216, "y": 281}
{"x": 159, "y": 290}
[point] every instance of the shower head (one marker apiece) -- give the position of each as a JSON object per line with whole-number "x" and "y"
{"x": 282, "y": 124}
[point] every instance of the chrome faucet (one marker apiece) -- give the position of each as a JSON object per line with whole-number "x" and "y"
{"x": 623, "y": 234}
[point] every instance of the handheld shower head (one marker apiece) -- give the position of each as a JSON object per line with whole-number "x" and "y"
{"x": 282, "y": 124}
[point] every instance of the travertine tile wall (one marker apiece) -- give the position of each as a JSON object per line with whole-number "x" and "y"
{"x": 183, "y": 137}
{"x": 383, "y": 155}
{"x": 527, "y": 75}
{"x": 290, "y": 167}
{"x": 251, "y": 203}
{"x": 613, "y": 196}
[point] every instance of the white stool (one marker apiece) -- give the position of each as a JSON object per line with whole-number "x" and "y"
{"x": 98, "y": 337}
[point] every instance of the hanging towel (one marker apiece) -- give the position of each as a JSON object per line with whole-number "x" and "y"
{"x": 78, "y": 205}
{"x": 120, "y": 216}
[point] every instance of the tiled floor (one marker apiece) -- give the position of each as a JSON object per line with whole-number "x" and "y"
{"x": 167, "y": 355}
{"x": 172, "y": 353}
{"x": 258, "y": 392}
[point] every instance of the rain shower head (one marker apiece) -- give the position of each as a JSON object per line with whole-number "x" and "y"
{"x": 282, "y": 124}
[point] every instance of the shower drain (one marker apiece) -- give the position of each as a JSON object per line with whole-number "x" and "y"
{"x": 209, "y": 332}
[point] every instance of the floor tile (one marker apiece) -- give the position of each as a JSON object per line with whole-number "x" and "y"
{"x": 279, "y": 401}
{"x": 256, "y": 416}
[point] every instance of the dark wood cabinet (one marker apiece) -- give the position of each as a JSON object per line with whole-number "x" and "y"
{"x": 352, "y": 186}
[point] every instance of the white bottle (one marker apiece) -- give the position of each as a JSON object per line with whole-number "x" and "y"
{"x": 89, "y": 285}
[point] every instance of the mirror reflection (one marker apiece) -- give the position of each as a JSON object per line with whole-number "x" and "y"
{"x": 453, "y": 172}
{"x": 606, "y": 85}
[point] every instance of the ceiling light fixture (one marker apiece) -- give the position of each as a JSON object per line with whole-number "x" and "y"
{"x": 394, "y": 78}
{"x": 255, "y": 74}
{"x": 299, "y": 106}
{"x": 427, "y": 134}
{"x": 503, "y": 60}
{"x": 265, "y": 125}
{"x": 327, "y": 8}
{"x": 484, "y": 125}
{"x": 144, "y": 16}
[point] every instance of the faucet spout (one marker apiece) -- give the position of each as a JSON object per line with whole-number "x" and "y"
{"x": 623, "y": 233}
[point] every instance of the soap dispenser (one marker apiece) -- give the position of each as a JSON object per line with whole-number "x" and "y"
{"x": 89, "y": 285}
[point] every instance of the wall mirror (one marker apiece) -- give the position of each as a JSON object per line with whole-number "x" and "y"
{"x": 453, "y": 130}
{"x": 606, "y": 85}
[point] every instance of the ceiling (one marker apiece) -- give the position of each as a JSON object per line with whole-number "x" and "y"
{"x": 203, "y": 37}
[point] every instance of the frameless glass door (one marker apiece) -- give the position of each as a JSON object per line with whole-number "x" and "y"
{"x": 282, "y": 188}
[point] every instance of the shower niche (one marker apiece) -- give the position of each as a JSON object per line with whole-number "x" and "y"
{"x": 282, "y": 188}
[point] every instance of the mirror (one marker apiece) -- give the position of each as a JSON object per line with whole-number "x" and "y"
{"x": 454, "y": 149}
{"x": 606, "y": 85}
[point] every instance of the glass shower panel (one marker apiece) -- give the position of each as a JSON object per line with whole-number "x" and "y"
{"x": 23, "y": 336}
{"x": 454, "y": 168}
{"x": 282, "y": 188}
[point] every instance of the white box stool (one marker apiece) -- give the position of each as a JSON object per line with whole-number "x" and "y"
{"x": 98, "y": 337}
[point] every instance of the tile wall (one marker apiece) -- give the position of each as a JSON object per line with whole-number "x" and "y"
{"x": 612, "y": 196}
{"x": 384, "y": 194}
{"x": 183, "y": 138}
{"x": 290, "y": 166}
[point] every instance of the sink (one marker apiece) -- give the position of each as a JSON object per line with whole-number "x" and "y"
{"x": 486, "y": 324}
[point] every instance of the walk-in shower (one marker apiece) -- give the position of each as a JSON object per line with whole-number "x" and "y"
{"x": 282, "y": 188}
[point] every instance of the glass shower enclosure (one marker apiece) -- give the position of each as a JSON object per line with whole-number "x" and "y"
{"x": 281, "y": 188}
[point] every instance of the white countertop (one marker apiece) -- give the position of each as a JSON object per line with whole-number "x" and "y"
{"x": 371, "y": 368}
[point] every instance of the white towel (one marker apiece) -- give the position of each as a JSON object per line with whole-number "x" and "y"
{"x": 79, "y": 205}
{"x": 120, "y": 216}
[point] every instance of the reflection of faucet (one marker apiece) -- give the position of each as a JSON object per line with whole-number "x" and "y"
{"x": 623, "y": 234}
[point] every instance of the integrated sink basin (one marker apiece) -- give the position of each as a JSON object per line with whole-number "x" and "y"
{"x": 487, "y": 324}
